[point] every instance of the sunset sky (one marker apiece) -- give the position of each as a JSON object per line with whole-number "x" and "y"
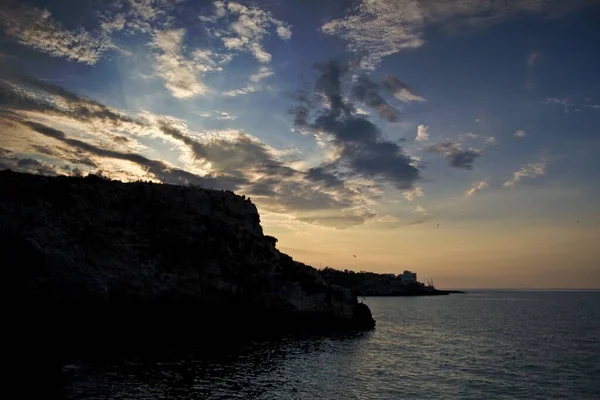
{"x": 355, "y": 126}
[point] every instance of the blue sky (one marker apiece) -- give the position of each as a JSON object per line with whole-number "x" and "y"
{"x": 367, "y": 121}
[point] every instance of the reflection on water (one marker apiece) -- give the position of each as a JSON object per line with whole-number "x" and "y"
{"x": 543, "y": 346}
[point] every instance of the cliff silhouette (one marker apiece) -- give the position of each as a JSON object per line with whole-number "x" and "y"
{"x": 99, "y": 264}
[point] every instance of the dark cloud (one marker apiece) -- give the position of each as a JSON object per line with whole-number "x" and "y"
{"x": 457, "y": 157}
{"x": 329, "y": 84}
{"x": 394, "y": 85}
{"x": 157, "y": 168}
{"x": 234, "y": 155}
{"x": 9, "y": 160}
{"x": 360, "y": 144}
{"x": 79, "y": 108}
{"x": 68, "y": 154}
{"x": 279, "y": 188}
{"x": 322, "y": 175}
{"x": 368, "y": 92}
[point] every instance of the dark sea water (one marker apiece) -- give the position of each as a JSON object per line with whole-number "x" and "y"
{"x": 481, "y": 345}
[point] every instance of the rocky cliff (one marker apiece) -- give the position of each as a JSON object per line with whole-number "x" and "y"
{"x": 95, "y": 261}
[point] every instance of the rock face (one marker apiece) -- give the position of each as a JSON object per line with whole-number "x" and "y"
{"x": 99, "y": 260}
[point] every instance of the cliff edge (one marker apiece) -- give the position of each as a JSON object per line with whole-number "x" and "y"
{"x": 101, "y": 260}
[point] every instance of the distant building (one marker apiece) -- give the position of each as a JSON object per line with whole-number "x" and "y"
{"x": 408, "y": 278}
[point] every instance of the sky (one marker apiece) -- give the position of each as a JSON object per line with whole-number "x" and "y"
{"x": 457, "y": 139}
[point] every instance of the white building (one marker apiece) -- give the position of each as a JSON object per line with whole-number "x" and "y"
{"x": 408, "y": 278}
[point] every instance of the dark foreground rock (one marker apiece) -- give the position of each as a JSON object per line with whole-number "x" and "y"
{"x": 372, "y": 284}
{"x": 97, "y": 266}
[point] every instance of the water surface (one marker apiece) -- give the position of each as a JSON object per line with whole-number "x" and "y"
{"x": 492, "y": 345}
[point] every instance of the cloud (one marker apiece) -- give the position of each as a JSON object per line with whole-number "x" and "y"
{"x": 34, "y": 27}
{"x": 138, "y": 16}
{"x": 532, "y": 170}
{"x": 379, "y": 28}
{"x": 491, "y": 140}
{"x": 314, "y": 196}
{"x": 177, "y": 61}
{"x": 46, "y": 122}
{"x": 9, "y": 160}
{"x": 533, "y": 58}
{"x": 400, "y": 90}
{"x": 359, "y": 147}
{"x": 254, "y": 83}
{"x": 420, "y": 210}
{"x": 457, "y": 157}
{"x": 219, "y": 115}
{"x": 284, "y": 32}
{"x": 366, "y": 91}
{"x": 422, "y": 133}
{"x": 159, "y": 169}
{"x": 20, "y": 94}
{"x": 468, "y": 136}
{"x": 262, "y": 73}
{"x": 565, "y": 103}
{"x": 179, "y": 72}
{"x": 242, "y": 91}
{"x": 477, "y": 186}
{"x": 520, "y": 133}
{"x": 247, "y": 27}
{"x": 412, "y": 194}
{"x": 375, "y": 29}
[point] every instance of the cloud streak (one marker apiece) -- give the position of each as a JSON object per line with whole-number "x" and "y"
{"x": 477, "y": 187}
{"x": 529, "y": 171}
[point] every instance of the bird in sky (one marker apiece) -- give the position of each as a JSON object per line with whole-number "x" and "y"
{"x": 354, "y": 255}
{"x": 438, "y": 225}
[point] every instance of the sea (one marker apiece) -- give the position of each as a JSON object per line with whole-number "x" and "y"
{"x": 478, "y": 345}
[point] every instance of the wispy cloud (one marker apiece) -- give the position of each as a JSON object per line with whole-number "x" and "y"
{"x": 180, "y": 73}
{"x": 413, "y": 194}
{"x": 520, "y": 133}
{"x": 533, "y": 58}
{"x": 477, "y": 186}
{"x": 491, "y": 140}
{"x": 367, "y": 92}
{"x": 219, "y": 115}
{"x": 468, "y": 136}
{"x": 247, "y": 27}
{"x": 262, "y": 73}
{"x": 254, "y": 83}
{"x": 34, "y": 27}
{"x": 379, "y": 28}
{"x": 532, "y": 170}
{"x": 375, "y": 29}
{"x": 565, "y": 103}
{"x": 400, "y": 90}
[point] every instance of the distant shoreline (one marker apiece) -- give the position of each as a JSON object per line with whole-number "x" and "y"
{"x": 409, "y": 294}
